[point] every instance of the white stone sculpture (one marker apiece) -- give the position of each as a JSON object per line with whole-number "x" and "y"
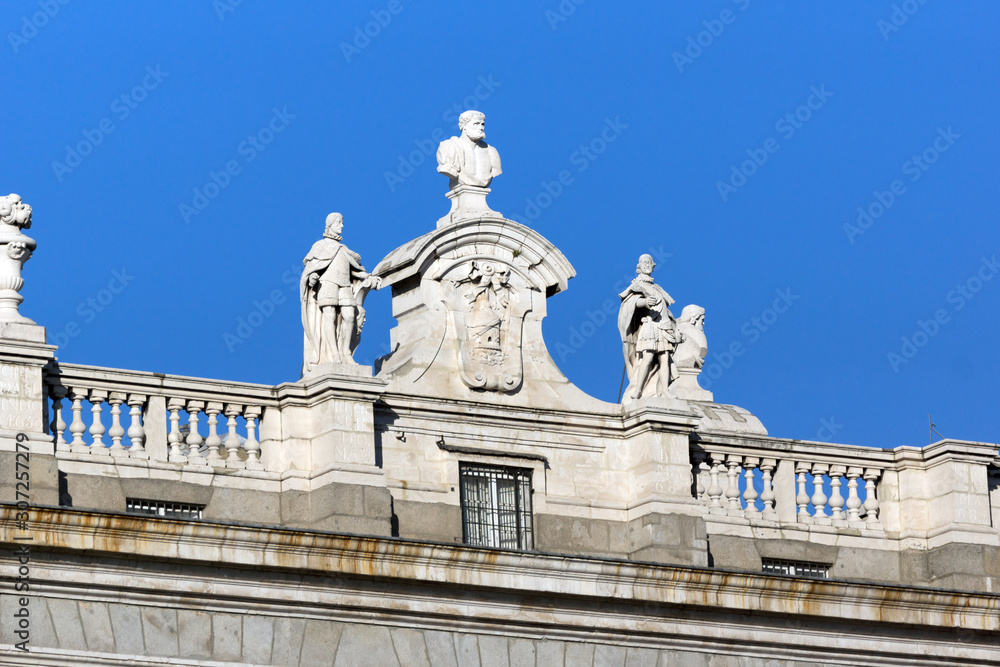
{"x": 690, "y": 355}
{"x": 471, "y": 165}
{"x": 17, "y": 248}
{"x": 694, "y": 346}
{"x": 488, "y": 312}
{"x": 649, "y": 335}
{"x": 333, "y": 289}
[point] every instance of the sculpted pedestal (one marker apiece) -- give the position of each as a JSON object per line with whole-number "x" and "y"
{"x": 468, "y": 202}
{"x": 686, "y": 385}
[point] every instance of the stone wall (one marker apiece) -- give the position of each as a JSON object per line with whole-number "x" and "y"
{"x": 103, "y": 592}
{"x": 66, "y": 630}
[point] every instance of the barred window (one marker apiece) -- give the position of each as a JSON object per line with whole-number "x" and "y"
{"x": 496, "y": 506}
{"x": 796, "y": 568}
{"x": 164, "y": 509}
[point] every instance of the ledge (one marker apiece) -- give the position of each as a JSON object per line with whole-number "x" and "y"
{"x": 325, "y": 554}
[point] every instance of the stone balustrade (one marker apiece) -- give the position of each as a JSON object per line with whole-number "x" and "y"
{"x": 165, "y": 415}
{"x": 788, "y": 481}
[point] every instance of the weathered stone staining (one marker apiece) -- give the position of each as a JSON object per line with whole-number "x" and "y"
{"x": 471, "y": 165}
{"x": 333, "y": 289}
{"x": 469, "y": 428}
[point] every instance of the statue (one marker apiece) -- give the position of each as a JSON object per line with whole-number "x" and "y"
{"x": 690, "y": 355}
{"x": 694, "y": 346}
{"x": 649, "y": 335}
{"x": 333, "y": 289}
{"x": 470, "y": 164}
{"x": 468, "y": 160}
{"x": 15, "y": 216}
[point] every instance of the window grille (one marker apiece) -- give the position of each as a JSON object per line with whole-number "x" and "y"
{"x": 797, "y": 569}
{"x": 164, "y": 509}
{"x": 496, "y": 506}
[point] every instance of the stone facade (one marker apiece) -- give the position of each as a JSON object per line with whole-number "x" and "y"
{"x": 253, "y": 595}
{"x": 462, "y": 502}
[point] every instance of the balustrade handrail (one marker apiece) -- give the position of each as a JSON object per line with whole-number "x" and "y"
{"x": 896, "y": 458}
{"x": 160, "y": 384}
{"x": 798, "y": 450}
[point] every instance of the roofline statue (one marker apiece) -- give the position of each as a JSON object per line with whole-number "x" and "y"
{"x": 333, "y": 288}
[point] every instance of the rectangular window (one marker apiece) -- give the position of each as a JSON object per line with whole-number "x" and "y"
{"x": 164, "y": 509}
{"x": 796, "y": 568}
{"x": 496, "y": 506}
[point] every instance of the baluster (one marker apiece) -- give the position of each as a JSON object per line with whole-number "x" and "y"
{"x": 704, "y": 471}
{"x": 715, "y": 489}
{"x": 233, "y": 440}
{"x": 213, "y": 440}
{"x": 136, "y": 431}
{"x": 77, "y": 427}
{"x": 251, "y": 414}
{"x": 97, "y": 429}
{"x": 871, "y": 502}
{"x": 853, "y": 501}
{"x": 802, "y": 498}
{"x": 174, "y": 406}
{"x": 194, "y": 438}
{"x": 699, "y": 487}
{"x": 767, "y": 495}
{"x": 58, "y": 426}
{"x": 116, "y": 433}
{"x": 733, "y": 490}
{"x": 750, "y": 493}
{"x": 819, "y": 497}
{"x": 836, "y": 497}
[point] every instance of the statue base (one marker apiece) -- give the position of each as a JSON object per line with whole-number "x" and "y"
{"x": 686, "y": 386}
{"x": 22, "y": 330}
{"x": 343, "y": 370}
{"x": 468, "y": 202}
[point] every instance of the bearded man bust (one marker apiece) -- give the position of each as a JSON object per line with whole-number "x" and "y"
{"x": 468, "y": 159}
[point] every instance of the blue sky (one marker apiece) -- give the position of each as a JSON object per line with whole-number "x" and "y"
{"x": 181, "y": 158}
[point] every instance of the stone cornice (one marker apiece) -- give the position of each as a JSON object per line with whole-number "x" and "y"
{"x": 325, "y": 554}
{"x": 614, "y": 424}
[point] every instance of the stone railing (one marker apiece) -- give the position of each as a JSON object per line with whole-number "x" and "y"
{"x": 156, "y": 405}
{"x": 789, "y": 481}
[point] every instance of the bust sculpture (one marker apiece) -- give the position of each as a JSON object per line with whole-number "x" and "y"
{"x": 694, "y": 346}
{"x": 649, "y": 335}
{"x": 470, "y": 164}
{"x": 468, "y": 159}
{"x": 333, "y": 289}
{"x": 690, "y": 355}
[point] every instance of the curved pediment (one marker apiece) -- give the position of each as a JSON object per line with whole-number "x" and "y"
{"x": 506, "y": 240}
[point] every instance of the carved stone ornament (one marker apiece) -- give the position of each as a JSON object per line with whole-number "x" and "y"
{"x": 487, "y": 315}
{"x": 15, "y": 215}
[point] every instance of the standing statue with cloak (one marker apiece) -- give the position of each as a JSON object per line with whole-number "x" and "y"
{"x": 333, "y": 290}
{"x": 649, "y": 335}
